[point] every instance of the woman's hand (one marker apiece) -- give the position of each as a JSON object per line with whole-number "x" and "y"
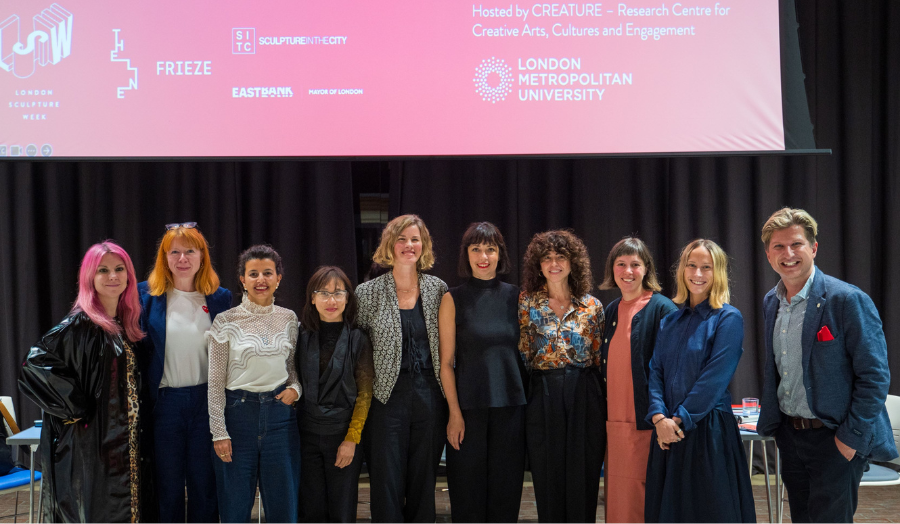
{"x": 668, "y": 432}
{"x": 223, "y": 449}
{"x": 345, "y": 454}
{"x": 456, "y": 430}
{"x": 288, "y": 396}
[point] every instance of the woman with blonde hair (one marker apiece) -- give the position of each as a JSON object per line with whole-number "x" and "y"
{"x": 83, "y": 374}
{"x": 697, "y": 470}
{"x": 179, "y": 302}
{"x": 406, "y": 422}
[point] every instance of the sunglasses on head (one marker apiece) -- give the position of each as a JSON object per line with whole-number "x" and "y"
{"x": 186, "y": 225}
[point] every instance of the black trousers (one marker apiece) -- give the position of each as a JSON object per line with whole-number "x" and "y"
{"x": 822, "y": 485}
{"x": 327, "y": 493}
{"x": 485, "y": 475}
{"x": 406, "y": 437}
{"x": 565, "y": 433}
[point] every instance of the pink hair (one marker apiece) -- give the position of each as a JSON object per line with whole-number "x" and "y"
{"x": 129, "y": 308}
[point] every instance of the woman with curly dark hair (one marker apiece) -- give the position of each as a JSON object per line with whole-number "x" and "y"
{"x": 561, "y": 326}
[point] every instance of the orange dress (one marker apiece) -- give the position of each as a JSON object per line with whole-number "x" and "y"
{"x": 629, "y": 447}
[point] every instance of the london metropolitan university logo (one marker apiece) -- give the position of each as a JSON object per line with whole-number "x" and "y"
{"x": 493, "y": 80}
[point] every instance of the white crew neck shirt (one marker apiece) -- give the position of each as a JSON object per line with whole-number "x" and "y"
{"x": 187, "y": 321}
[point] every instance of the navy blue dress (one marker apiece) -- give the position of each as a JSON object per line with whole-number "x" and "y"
{"x": 703, "y": 478}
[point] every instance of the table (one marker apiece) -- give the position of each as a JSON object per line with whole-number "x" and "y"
{"x": 31, "y": 437}
{"x": 751, "y": 437}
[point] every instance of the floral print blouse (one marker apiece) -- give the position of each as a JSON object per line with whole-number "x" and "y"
{"x": 548, "y": 342}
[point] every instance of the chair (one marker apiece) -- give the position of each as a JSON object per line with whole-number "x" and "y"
{"x": 17, "y": 479}
{"x": 881, "y": 475}
{"x": 11, "y": 427}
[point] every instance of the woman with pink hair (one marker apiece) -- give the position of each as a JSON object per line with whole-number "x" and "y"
{"x": 84, "y": 376}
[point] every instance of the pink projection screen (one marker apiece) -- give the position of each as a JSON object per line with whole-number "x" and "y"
{"x": 347, "y": 78}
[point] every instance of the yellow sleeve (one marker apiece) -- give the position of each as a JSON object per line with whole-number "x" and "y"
{"x": 365, "y": 376}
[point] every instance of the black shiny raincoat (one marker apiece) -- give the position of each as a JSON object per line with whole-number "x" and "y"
{"x": 78, "y": 371}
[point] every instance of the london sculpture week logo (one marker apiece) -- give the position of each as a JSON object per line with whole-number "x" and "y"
{"x": 48, "y": 43}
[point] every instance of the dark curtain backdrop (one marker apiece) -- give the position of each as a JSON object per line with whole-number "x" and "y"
{"x": 51, "y": 212}
{"x": 850, "y": 52}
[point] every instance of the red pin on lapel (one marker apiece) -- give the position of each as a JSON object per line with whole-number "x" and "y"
{"x": 205, "y": 309}
{"x": 824, "y": 334}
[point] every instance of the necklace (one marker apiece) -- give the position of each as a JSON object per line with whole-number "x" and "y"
{"x": 561, "y": 309}
{"x": 413, "y": 290}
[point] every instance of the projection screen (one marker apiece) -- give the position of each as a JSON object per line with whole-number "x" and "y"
{"x": 368, "y": 78}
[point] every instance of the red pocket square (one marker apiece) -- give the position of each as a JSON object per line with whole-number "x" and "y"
{"x": 824, "y": 334}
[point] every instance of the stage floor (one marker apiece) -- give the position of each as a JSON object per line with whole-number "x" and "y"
{"x": 876, "y": 504}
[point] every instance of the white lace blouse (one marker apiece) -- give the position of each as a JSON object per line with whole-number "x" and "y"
{"x": 251, "y": 348}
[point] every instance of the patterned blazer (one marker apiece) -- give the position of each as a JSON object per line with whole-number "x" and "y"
{"x": 379, "y": 315}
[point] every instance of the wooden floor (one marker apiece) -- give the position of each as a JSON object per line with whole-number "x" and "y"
{"x": 876, "y": 504}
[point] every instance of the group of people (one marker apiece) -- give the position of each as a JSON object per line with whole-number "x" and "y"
{"x": 235, "y": 397}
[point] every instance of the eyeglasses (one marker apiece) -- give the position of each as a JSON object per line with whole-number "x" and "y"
{"x": 186, "y": 225}
{"x": 340, "y": 295}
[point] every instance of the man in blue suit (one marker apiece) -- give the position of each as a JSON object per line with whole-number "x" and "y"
{"x": 826, "y": 376}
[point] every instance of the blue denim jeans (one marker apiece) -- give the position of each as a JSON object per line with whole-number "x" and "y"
{"x": 265, "y": 446}
{"x": 183, "y": 450}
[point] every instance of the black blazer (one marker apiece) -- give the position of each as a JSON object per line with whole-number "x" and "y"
{"x": 644, "y": 327}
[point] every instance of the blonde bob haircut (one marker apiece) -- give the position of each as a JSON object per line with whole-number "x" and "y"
{"x": 718, "y": 292}
{"x": 787, "y": 217}
{"x": 384, "y": 255}
{"x": 161, "y": 280}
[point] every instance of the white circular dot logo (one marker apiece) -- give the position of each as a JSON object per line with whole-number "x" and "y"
{"x": 493, "y": 71}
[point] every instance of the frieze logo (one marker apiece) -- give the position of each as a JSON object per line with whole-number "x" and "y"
{"x": 48, "y": 43}
{"x": 493, "y": 80}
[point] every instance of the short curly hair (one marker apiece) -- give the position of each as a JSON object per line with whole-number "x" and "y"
{"x": 565, "y": 243}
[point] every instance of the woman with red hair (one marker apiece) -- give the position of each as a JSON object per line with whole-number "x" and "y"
{"x": 179, "y": 302}
{"x": 84, "y": 376}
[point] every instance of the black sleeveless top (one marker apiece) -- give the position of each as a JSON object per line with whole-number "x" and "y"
{"x": 416, "y": 356}
{"x": 489, "y": 369}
